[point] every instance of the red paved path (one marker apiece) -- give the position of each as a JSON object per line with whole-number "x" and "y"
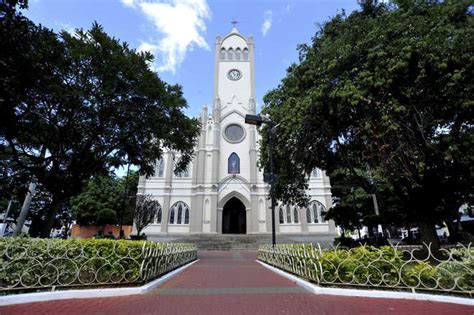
{"x": 233, "y": 283}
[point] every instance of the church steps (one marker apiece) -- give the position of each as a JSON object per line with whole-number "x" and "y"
{"x": 241, "y": 242}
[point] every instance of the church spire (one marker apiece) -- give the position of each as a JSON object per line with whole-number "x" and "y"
{"x": 234, "y": 28}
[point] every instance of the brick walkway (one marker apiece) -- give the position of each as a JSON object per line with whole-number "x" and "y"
{"x": 233, "y": 283}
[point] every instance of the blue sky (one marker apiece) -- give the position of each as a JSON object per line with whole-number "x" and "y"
{"x": 181, "y": 33}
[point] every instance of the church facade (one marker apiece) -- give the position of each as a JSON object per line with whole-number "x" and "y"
{"x": 223, "y": 190}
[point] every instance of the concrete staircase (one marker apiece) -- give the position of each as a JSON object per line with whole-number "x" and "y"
{"x": 242, "y": 241}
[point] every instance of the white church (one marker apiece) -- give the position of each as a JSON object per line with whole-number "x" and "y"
{"x": 223, "y": 191}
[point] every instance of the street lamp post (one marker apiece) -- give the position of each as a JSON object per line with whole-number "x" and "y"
{"x": 258, "y": 120}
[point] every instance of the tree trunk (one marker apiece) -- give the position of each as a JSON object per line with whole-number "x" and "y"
{"x": 139, "y": 229}
{"x": 428, "y": 234}
{"x": 50, "y": 218}
{"x": 453, "y": 229}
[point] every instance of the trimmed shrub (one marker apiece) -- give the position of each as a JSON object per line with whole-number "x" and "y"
{"x": 384, "y": 267}
{"x": 31, "y": 263}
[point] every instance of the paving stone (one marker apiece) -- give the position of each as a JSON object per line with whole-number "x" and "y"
{"x": 230, "y": 283}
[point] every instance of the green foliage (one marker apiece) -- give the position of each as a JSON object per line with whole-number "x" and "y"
{"x": 37, "y": 264}
{"x": 56, "y": 261}
{"x": 353, "y": 207}
{"x": 87, "y": 100}
{"x": 99, "y": 202}
{"x": 130, "y": 187}
{"x": 106, "y": 216}
{"x": 388, "y": 88}
{"x": 376, "y": 267}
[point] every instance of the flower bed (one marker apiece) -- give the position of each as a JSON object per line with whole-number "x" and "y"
{"x": 384, "y": 267}
{"x": 36, "y": 264}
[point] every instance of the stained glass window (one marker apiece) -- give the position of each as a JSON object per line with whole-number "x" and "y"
{"x": 233, "y": 164}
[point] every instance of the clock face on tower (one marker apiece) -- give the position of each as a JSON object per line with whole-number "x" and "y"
{"x": 234, "y": 74}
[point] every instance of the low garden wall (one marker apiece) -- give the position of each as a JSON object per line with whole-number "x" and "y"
{"x": 86, "y": 231}
{"x": 31, "y": 264}
{"x": 449, "y": 271}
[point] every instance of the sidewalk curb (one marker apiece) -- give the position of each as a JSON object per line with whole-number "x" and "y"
{"x": 88, "y": 293}
{"x": 369, "y": 293}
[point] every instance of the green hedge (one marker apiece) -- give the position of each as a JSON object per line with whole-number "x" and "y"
{"x": 30, "y": 263}
{"x": 384, "y": 267}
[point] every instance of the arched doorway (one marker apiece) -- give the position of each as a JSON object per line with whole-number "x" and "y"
{"x": 234, "y": 219}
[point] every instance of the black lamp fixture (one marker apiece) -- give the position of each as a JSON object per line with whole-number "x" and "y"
{"x": 258, "y": 120}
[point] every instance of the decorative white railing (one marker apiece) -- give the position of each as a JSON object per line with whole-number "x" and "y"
{"x": 35, "y": 264}
{"x": 447, "y": 271}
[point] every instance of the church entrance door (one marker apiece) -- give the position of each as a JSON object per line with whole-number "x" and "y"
{"x": 234, "y": 219}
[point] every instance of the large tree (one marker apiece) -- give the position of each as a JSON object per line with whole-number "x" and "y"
{"x": 389, "y": 87}
{"x": 76, "y": 105}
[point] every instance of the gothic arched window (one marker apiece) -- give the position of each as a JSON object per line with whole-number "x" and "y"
{"x": 172, "y": 215}
{"x": 314, "y": 212}
{"x": 159, "y": 214}
{"x": 238, "y": 54}
{"x": 295, "y": 215}
{"x": 186, "y": 216}
{"x": 233, "y": 165}
{"x": 288, "y": 214}
{"x": 245, "y": 55}
{"x": 160, "y": 167}
{"x": 230, "y": 54}
{"x": 179, "y": 213}
{"x": 223, "y": 54}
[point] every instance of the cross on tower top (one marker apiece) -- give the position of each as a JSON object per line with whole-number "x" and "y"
{"x": 233, "y": 22}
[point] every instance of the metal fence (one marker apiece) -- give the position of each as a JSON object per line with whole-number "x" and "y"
{"x": 446, "y": 271}
{"x": 36, "y": 265}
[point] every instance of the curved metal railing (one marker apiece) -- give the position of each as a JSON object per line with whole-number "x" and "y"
{"x": 36, "y": 264}
{"x": 446, "y": 271}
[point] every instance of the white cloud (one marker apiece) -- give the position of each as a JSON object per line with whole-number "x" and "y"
{"x": 128, "y": 3}
{"x": 180, "y": 24}
{"x": 267, "y": 22}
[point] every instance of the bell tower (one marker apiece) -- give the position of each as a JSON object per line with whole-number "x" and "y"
{"x": 234, "y": 154}
{"x": 234, "y": 81}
